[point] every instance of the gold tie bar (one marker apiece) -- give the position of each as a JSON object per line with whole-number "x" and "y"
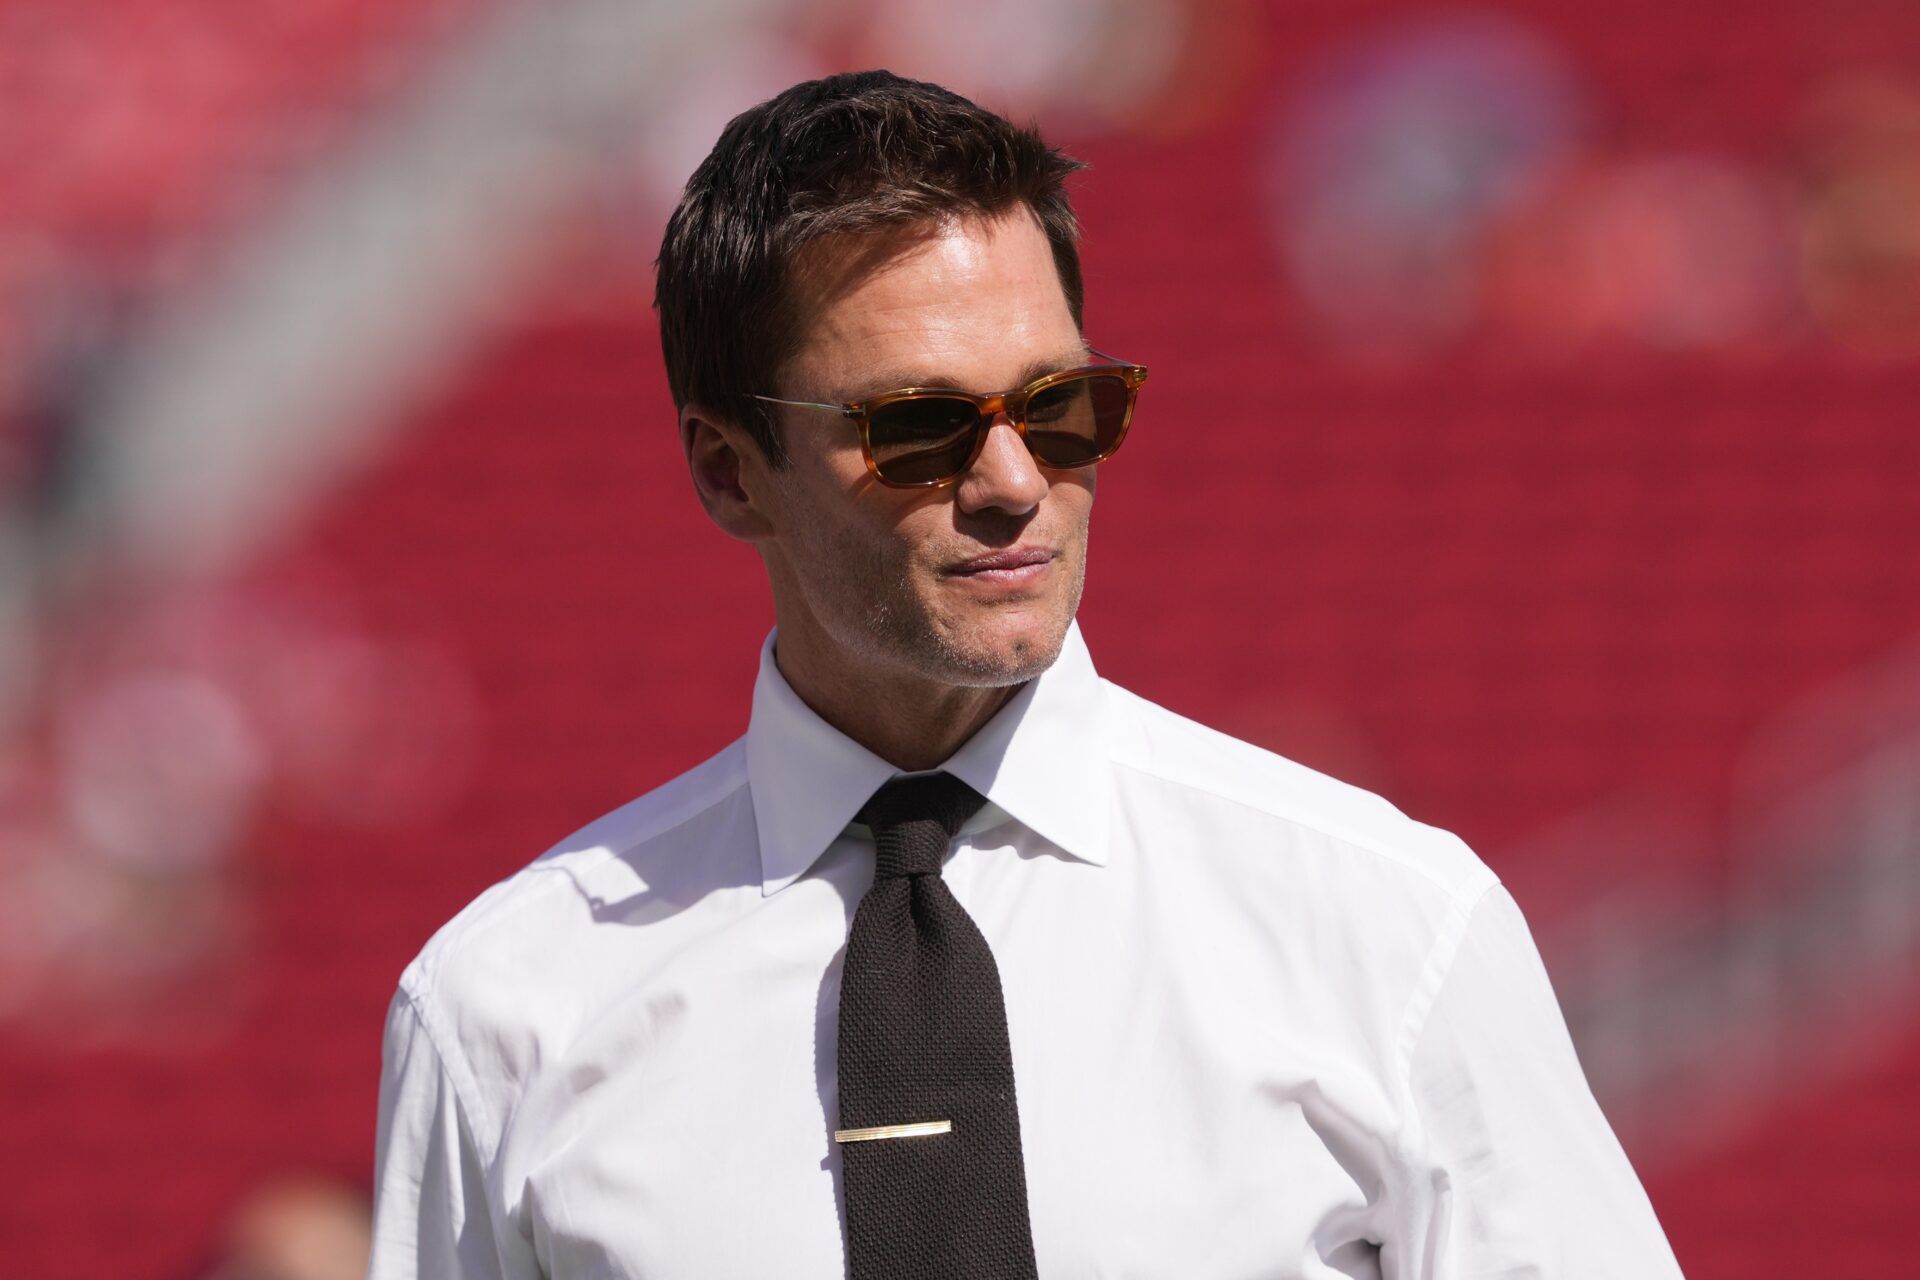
{"x": 924, "y": 1128}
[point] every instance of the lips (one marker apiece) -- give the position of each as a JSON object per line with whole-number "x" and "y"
{"x": 1012, "y": 559}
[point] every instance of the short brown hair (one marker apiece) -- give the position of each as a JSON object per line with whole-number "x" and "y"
{"x": 855, "y": 153}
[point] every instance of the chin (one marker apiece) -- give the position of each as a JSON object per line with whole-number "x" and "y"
{"x": 1003, "y": 650}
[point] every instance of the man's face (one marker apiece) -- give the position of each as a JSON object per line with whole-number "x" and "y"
{"x": 891, "y": 578}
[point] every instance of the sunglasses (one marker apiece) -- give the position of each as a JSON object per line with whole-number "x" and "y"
{"x": 920, "y": 437}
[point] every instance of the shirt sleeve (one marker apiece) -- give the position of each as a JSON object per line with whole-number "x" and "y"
{"x": 1528, "y": 1178}
{"x": 431, "y": 1219}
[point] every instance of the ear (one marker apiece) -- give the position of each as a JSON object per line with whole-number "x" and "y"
{"x": 728, "y": 470}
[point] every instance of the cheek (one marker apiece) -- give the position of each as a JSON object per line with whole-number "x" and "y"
{"x": 1070, "y": 495}
{"x": 845, "y": 545}
{"x": 1077, "y": 484}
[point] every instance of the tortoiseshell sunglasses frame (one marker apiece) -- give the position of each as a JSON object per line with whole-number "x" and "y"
{"x": 1012, "y": 403}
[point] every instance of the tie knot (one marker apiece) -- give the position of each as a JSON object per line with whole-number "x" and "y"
{"x": 912, "y": 820}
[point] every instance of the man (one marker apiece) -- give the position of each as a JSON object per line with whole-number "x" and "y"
{"x": 962, "y": 962}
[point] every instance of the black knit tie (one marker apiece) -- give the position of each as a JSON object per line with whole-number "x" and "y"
{"x": 923, "y": 1040}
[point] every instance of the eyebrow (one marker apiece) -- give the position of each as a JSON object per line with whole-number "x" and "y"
{"x": 916, "y": 377}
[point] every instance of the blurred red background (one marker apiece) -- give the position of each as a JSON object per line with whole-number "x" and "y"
{"x": 1531, "y": 438}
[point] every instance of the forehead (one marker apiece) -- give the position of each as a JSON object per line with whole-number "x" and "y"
{"x": 970, "y": 301}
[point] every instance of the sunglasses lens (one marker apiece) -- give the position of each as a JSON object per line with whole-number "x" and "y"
{"x": 1078, "y": 421}
{"x": 928, "y": 438}
{"x": 922, "y": 439}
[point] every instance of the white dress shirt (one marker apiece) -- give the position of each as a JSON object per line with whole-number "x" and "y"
{"x": 1263, "y": 1025}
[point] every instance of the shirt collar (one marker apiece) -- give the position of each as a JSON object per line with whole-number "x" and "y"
{"x": 1042, "y": 758}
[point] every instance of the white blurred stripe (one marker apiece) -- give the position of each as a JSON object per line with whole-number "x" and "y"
{"x": 1696, "y": 1020}
{"x": 260, "y": 391}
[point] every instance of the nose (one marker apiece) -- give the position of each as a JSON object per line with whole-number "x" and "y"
{"x": 1004, "y": 475}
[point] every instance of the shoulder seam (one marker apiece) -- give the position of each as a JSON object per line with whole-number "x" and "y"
{"x": 1337, "y": 831}
{"x": 1433, "y": 976}
{"x": 430, "y": 965}
{"x": 1141, "y": 707}
{"x": 459, "y": 1074}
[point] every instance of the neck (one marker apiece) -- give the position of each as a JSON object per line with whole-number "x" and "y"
{"x": 910, "y": 722}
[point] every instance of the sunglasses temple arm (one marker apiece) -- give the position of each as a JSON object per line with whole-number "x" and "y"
{"x": 844, "y": 410}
